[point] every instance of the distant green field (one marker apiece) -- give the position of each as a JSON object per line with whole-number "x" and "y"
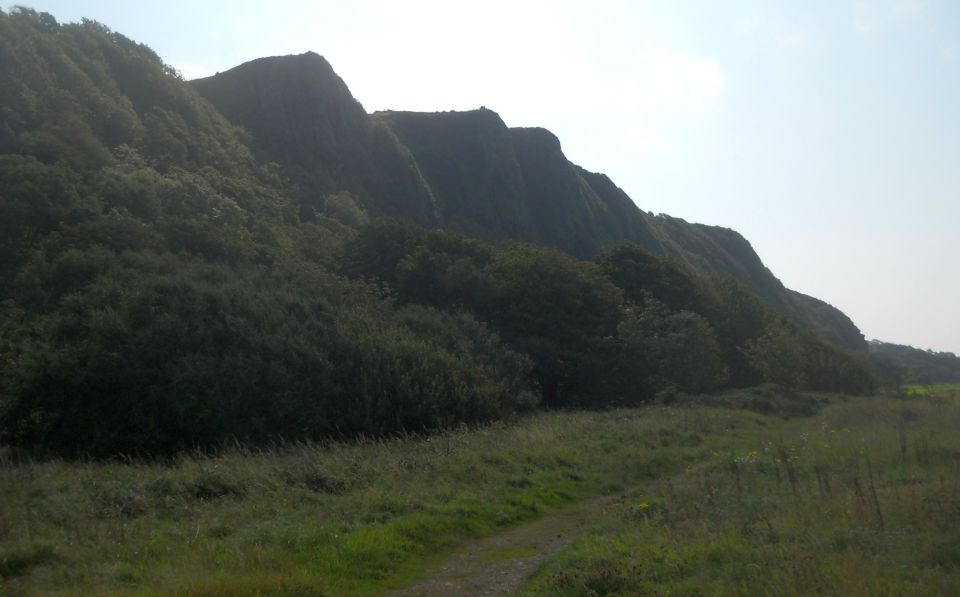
{"x": 862, "y": 496}
{"x": 938, "y": 389}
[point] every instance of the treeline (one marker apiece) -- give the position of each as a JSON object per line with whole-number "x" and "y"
{"x": 621, "y": 329}
{"x": 896, "y": 364}
{"x": 160, "y": 291}
{"x": 157, "y": 315}
{"x": 150, "y": 312}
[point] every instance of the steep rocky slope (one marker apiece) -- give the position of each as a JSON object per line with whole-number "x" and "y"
{"x": 469, "y": 172}
{"x": 303, "y": 116}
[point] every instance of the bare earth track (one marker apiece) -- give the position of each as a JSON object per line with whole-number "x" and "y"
{"x": 499, "y": 565}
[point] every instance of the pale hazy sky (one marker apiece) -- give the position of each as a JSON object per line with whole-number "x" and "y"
{"x": 826, "y": 132}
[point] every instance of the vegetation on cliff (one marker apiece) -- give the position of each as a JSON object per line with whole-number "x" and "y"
{"x": 164, "y": 287}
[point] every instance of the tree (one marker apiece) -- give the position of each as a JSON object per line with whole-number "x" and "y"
{"x": 658, "y": 348}
{"x": 558, "y": 310}
{"x": 642, "y": 274}
{"x": 778, "y": 355}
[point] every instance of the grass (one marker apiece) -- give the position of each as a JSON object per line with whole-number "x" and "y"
{"x": 714, "y": 497}
{"x": 339, "y": 519}
{"x": 862, "y": 499}
{"x": 937, "y": 390}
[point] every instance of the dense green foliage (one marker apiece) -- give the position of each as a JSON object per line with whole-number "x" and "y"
{"x": 161, "y": 353}
{"x": 161, "y": 289}
{"x": 470, "y": 173}
{"x": 166, "y": 296}
{"x": 618, "y": 331}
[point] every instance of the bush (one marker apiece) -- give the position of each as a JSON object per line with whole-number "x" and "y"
{"x": 156, "y": 353}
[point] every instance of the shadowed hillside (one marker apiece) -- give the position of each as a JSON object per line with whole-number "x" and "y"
{"x": 170, "y": 280}
{"x": 913, "y": 365}
{"x": 469, "y": 172}
{"x": 303, "y": 116}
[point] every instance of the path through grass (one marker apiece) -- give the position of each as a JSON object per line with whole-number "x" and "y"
{"x": 308, "y": 519}
{"x": 716, "y": 503}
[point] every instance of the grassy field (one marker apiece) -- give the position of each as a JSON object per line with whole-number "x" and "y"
{"x": 860, "y": 497}
{"x": 940, "y": 389}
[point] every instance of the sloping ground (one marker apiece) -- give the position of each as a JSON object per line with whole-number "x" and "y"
{"x": 302, "y": 116}
{"x": 469, "y": 172}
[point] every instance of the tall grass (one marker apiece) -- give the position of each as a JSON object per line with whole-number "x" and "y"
{"x": 317, "y": 519}
{"x": 863, "y": 499}
{"x": 858, "y": 497}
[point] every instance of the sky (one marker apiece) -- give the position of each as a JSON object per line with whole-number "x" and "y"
{"x": 826, "y": 132}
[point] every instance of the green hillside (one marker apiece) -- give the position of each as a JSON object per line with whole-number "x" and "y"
{"x": 913, "y": 365}
{"x": 469, "y": 172}
{"x": 170, "y": 281}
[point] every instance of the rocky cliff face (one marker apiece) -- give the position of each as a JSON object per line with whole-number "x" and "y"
{"x": 469, "y": 172}
{"x": 302, "y": 116}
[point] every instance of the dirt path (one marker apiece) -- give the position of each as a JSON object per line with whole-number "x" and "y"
{"x": 498, "y": 565}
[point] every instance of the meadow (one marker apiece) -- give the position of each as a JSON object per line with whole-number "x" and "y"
{"x": 750, "y": 491}
{"x": 932, "y": 390}
{"x": 861, "y": 499}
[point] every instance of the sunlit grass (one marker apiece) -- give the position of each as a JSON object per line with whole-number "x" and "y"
{"x": 938, "y": 389}
{"x": 715, "y": 499}
{"x": 336, "y": 519}
{"x": 860, "y": 500}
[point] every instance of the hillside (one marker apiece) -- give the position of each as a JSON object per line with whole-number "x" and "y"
{"x": 171, "y": 281}
{"x": 916, "y": 366}
{"x": 302, "y": 116}
{"x": 256, "y": 341}
{"x": 469, "y": 172}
